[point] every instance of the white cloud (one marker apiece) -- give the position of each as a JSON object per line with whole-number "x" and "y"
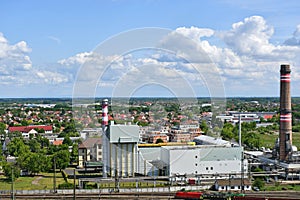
{"x": 189, "y": 56}
{"x": 297, "y": 31}
{"x": 51, "y": 77}
{"x": 249, "y": 37}
{"x": 195, "y": 32}
{"x": 14, "y": 58}
{"x": 295, "y": 40}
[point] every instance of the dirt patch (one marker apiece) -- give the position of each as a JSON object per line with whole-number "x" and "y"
{"x": 36, "y": 181}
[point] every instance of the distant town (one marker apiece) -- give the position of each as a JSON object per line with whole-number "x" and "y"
{"x": 183, "y": 142}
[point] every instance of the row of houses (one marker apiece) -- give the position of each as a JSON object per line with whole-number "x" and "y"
{"x": 182, "y": 133}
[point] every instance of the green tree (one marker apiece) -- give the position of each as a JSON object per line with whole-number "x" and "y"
{"x": 227, "y": 131}
{"x": 36, "y": 161}
{"x": 67, "y": 141}
{"x": 2, "y": 130}
{"x": 259, "y": 183}
{"x": 74, "y": 153}
{"x": 62, "y": 159}
{"x": 69, "y": 130}
{"x": 251, "y": 139}
{"x": 17, "y": 147}
{"x": 8, "y": 168}
{"x": 34, "y": 145}
{"x": 44, "y": 142}
{"x": 24, "y": 122}
{"x": 14, "y": 134}
{"x": 159, "y": 140}
{"x": 204, "y": 126}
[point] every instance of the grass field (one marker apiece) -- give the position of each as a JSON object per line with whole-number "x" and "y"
{"x": 44, "y": 181}
{"x": 268, "y": 140}
{"x": 280, "y": 187}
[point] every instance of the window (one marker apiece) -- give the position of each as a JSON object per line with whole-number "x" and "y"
{"x": 196, "y": 156}
{"x": 206, "y": 168}
{"x": 196, "y": 172}
{"x": 232, "y": 187}
{"x": 211, "y": 168}
{"x": 196, "y": 164}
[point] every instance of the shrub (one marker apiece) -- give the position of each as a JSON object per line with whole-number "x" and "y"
{"x": 66, "y": 186}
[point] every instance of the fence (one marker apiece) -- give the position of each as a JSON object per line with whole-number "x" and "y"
{"x": 107, "y": 190}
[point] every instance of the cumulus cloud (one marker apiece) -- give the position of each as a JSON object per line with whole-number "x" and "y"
{"x": 248, "y": 57}
{"x": 295, "y": 40}
{"x": 16, "y": 67}
{"x": 249, "y": 37}
{"x": 15, "y": 64}
{"x": 14, "y": 57}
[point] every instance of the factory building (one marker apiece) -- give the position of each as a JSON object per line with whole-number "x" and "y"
{"x": 204, "y": 160}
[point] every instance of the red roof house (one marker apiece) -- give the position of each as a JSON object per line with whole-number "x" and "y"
{"x": 26, "y": 129}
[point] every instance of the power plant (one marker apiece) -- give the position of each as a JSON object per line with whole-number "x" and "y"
{"x": 122, "y": 157}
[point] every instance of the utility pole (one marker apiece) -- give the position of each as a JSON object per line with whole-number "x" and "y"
{"x": 242, "y": 172}
{"x": 12, "y": 184}
{"x": 74, "y": 188}
{"x": 54, "y": 175}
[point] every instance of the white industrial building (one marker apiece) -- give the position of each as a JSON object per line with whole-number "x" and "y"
{"x": 204, "y": 160}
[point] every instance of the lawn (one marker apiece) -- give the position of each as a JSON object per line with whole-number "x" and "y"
{"x": 44, "y": 181}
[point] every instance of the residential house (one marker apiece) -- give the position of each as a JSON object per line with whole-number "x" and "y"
{"x": 32, "y": 129}
{"x": 223, "y": 185}
{"x": 90, "y": 150}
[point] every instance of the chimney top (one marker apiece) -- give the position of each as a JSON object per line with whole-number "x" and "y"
{"x": 285, "y": 69}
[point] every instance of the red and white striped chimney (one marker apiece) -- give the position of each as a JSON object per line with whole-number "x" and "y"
{"x": 104, "y": 112}
{"x": 105, "y": 142}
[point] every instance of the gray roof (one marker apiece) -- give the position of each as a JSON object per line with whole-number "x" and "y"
{"x": 90, "y": 142}
{"x": 221, "y": 153}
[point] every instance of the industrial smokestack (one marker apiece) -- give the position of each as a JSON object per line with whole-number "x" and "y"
{"x": 105, "y": 142}
{"x": 285, "y": 133}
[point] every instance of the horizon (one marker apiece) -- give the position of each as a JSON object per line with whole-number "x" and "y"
{"x": 140, "y": 97}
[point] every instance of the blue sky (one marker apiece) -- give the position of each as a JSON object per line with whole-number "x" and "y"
{"x": 42, "y": 44}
